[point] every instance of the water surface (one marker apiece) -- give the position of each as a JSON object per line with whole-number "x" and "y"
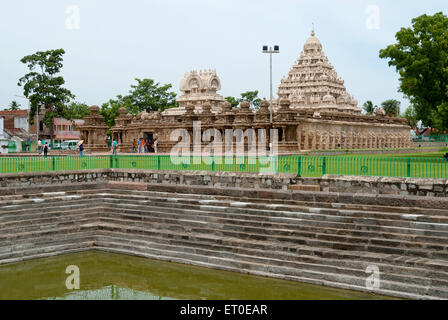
{"x": 113, "y": 276}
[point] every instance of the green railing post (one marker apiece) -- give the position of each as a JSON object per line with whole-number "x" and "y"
{"x": 111, "y": 161}
{"x": 158, "y": 163}
{"x": 324, "y": 166}
{"x": 299, "y": 166}
{"x": 213, "y": 163}
{"x": 409, "y": 168}
{"x": 53, "y": 163}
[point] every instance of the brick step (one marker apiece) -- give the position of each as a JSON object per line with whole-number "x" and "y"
{"x": 332, "y": 279}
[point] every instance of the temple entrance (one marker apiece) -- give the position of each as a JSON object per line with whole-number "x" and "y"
{"x": 149, "y": 141}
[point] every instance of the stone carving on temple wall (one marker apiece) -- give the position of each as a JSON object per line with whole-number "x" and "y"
{"x": 380, "y": 112}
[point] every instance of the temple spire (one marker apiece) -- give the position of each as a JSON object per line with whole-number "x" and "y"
{"x": 312, "y": 31}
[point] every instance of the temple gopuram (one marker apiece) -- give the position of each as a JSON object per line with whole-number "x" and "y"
{"x": 313, "y": 112}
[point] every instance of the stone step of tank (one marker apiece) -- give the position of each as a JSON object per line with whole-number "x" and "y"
{"x": 325, "y": 203}
{"x": 423, "y": 250}
{"x": 11, "y": 190}
{"x": 65, "y": 219}
{"x": 418, "y": 214}
{"x": 305, "y": 218}
{"x": 294, "y": 219}
{"x": 330, "y": 275}
{"x": 78, "y": 245}
{"x": 279, "y": 252}
{"x": 270, "y": 273}
{"x": 266, "y": 245}
{"x": 38, "y": 202}
{"x": 304, "y": 187}
{"x": 44, "y": 235}
{"x": 319, "y": 241}
{"x": 353, "y": 270}
{"x": 54, "y": 210}
{"x": 29, "y": 244}
{"x": 132, "y": 216}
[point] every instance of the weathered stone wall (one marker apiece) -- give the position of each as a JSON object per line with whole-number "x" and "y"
{"x": 197, "y": 178}
{"x": 380, "y": 185}
{"x": 24, "y": 179}
{"x": 328, "y": 183}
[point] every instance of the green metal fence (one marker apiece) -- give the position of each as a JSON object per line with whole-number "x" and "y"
{"x": 305, "y": 166}
{"x": 432, "y": 138}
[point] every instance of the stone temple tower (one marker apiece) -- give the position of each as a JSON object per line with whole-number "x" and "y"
{"x": 312, "y": 83}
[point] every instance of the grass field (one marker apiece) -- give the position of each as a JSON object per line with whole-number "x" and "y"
{"x": 400, "y": 165}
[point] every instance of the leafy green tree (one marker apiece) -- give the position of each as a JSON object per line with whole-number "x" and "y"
{"x": 252, "y": 98}
{"x": 148, "y": 95}
{"x": 420, "y": 56}
{"x": 233, "y": 101}
{"x": 14, "y": 106}
{"x": 109, "y": 110}
{"x": 76, "y": 110}
{"x": 43, "y": 87}
{"x": 391, "y": 107}
{"x": 411, "y": 117}
{"x": 369, "y": 108}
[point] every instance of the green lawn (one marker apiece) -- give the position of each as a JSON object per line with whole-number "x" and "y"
{"x": 429, "y": 165}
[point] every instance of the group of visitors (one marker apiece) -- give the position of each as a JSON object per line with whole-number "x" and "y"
{"x": 144, "y": 145}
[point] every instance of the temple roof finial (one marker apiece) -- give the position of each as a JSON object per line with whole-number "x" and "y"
{"x": 312, "y": 31}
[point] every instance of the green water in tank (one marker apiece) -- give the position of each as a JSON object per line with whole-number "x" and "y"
{"x": 120, "y": 277}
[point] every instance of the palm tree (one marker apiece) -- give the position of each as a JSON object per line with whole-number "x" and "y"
{"x": 14, "y": 106}
{"x": 369, "y": 108}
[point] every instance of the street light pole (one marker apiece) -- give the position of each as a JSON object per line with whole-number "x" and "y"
{"x": 270, "y": 51}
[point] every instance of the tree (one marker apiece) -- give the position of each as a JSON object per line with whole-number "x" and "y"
{"x": 420, "y": 56}
{"x": 411, "y": 117}
{"x": 76, "y": 110}
{"x": 233, "y": 101}
{"x": 109, "y": 110}
{"x": 252, "y": 98}
{"x": 14, "y": 106}
{"x": 42, "y": 86}
{"x": 369, "y": 108}
{"x": 148, "y": 96}
{"x": 391, "y": 107}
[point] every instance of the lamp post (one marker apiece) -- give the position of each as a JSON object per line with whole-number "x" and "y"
{"x": 269, "y": 50}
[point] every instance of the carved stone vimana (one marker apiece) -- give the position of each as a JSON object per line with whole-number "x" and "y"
{"x": 313, "y": 83}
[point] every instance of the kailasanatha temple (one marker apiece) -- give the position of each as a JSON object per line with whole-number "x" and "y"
{"x": 314, "y": 111}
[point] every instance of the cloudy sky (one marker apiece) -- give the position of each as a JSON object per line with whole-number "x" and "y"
{"x": 108, "y": 43}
